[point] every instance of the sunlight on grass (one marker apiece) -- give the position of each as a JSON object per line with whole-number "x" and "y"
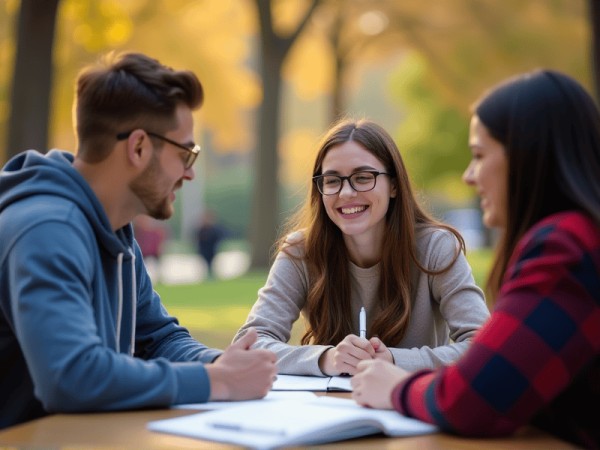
{"x": 214, "y": 310}
{"x": 215, "y": 318}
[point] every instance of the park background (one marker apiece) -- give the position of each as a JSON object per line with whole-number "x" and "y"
{"x": 276, "y": 74}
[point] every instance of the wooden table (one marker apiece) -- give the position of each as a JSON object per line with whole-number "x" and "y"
{"x": 128, "y": 430}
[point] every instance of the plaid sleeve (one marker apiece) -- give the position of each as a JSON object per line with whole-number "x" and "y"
{"x": 544, "y": 332}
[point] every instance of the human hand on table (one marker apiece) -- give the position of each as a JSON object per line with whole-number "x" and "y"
{"x": 242, "y": 373}
{"x": 344, "y": 357}
{"x": 374, "y": 381}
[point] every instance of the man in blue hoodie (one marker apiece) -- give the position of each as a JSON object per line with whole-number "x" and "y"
{"x": 81, "y": 328}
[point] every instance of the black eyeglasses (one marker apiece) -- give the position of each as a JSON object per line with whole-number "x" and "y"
{"x": 362, "y": 181}
{"x": 193, "y": 149}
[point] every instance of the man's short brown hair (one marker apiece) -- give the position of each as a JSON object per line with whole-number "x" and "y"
{"x": 128, "y": 91}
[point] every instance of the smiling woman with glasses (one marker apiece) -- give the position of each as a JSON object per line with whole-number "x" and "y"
{"x": 192, "y": 149}
{"x": 362, "y": 240}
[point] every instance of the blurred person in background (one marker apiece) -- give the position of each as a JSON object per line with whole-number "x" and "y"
{"x": 81, "y": 328}
{"x": 209, "y": 235}
{"x": 535, "y": 141}
{"x": 150, "y": 235}
{"x": 362, "y": 240}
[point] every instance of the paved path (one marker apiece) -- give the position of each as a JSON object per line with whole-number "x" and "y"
{"x": 185, "y": 268}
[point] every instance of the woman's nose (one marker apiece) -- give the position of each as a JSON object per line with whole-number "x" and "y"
{"x": 467, "y": 176}
{"x": 347, "y": 190}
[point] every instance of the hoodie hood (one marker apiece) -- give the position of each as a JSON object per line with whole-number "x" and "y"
{"x": 33, "y": 174}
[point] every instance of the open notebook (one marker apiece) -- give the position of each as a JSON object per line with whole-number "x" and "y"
{"x": 270, "y": 397}
{"x": 275, "y": 424}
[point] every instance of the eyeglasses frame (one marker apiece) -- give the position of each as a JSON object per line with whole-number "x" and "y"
{"x": 194, "y": 151}
{"x": 316, "y": 179}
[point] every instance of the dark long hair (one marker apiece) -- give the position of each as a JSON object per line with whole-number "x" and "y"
{"x": 326, "y": 256}
{"x": 550, "y": 129}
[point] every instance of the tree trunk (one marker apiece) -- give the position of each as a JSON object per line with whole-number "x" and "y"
{"x": 265, "y": 204}
{"x": 264, "y": 220}
{"x": 32, "y": 77}
{"x": 594, "y": 6}
{"x": 337, "y": 96}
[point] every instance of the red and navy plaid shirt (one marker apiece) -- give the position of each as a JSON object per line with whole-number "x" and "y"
{"x": 537, "y": 359}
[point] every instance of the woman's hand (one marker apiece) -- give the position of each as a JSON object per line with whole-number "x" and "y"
{"x": 345, "y": 356}
{"x": 381, "y": 351}
{"x": 374, "y": 381}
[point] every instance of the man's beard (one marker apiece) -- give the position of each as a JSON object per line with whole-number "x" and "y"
{"x": 145, "y": 187}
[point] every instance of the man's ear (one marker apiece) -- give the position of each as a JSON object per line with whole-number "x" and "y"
{"x": 139, "y": 148}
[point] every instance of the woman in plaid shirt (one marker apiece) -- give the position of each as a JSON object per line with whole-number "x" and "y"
{"x": 535, "y": 141}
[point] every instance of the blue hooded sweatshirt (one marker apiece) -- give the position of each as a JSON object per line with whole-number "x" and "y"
{"x": 81, "y": 328}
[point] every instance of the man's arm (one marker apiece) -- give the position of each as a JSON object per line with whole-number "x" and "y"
{"x": 159, "y": 334}
{"x": 70, "y": 358}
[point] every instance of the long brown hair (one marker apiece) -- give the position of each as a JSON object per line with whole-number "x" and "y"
{"x": 550, "y": 129}
{"x": 324, "y": 251}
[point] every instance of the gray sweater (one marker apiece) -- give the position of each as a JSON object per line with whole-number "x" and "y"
{"x": 446, "y": 307}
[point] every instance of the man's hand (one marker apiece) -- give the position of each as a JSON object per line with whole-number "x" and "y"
{"x": 241, "y": 373}
{"x": 374, "y": 381}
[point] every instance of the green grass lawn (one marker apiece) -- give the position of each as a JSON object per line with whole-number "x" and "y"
{"x": 480, "y": 261}
{"x": 214, "y": 310}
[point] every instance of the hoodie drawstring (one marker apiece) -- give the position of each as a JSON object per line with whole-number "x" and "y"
{"x": 133, "y": 303}
{"x": 120, "y": 304}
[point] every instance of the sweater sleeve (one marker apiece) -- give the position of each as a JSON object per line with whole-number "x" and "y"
{"x": 72, "y": 367}
{"x": 544, "y": 332}
{"x": 274, "y": 313}
{"x": 454, "y": 293}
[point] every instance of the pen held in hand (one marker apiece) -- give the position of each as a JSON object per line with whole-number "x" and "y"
{"x": 362, "y": 322}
